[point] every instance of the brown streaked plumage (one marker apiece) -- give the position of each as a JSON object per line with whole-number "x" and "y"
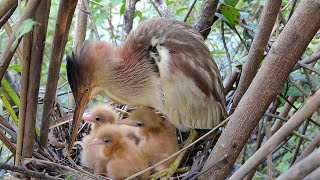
{"x": 163, "y": 64}
{"x": 123, "y": 157}
{"x": 158, "y": 136}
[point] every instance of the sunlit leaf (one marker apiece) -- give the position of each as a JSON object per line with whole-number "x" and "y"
{"x": 8, "y": 107}
{"x": 232, "y": 3}
{"x": 10, "y": 91}
{"x": 181, "y": 10}
{"x": 230, "y": 13}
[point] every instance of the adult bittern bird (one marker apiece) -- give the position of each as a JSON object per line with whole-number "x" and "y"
{"x": 158, "y": 136}
{"x": 163, "y": 64}
{"x": 123, "y": 157}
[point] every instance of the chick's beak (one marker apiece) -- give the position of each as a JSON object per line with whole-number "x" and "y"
{"x": 89, "y": 118}
{"x": 81, "y": 104}
{"x": 128, "y": 121}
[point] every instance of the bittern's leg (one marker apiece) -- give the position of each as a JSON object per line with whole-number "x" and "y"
{"x": 169, "y": 171}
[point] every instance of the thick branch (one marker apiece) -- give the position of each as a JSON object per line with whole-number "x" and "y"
{"x": 6, "y": 5}
{"x": 162, "y": 9}
{"x": 38, "y": 42}
{"x": 311, "y": 105}
{"x": 81, "y": 25}
{"x": 59, "y": 42}
{"x": 257, "y": 49}
{"x": 282, "y": 57}
{"x": 302, "y": 168}
{"x": 206, "y": 19}
{"x": 128, "y": 18}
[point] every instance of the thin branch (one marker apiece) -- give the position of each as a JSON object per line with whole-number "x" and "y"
{"x": 311, "y": 105}
{"x": 81, "y": 25}
{"x": 297, "y": 150}
{"x": 308, "y": 60}
{"x": 94, "y": 27}
{"x": 302, "y": 168}
{"x": 207, "y": 17}
{"x": 309, "y": 149}
{"x": 7, "y": 16}
{"x": 128, "y": 18}
{"x": 6, "y": 5}
{"x": 189, "y": 11}
{"x": 309, "y": 67}
{"x": 257, "y": 49}
{"x": 162, "y": 8}
{"x": 27, "y": 172}
{"x": 226, "y": 48}
{"x": 8, "y": 53}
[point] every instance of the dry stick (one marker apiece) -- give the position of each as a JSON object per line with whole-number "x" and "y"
{"x": 226, "y": 49}
{"x": 162, "y": 9}
{"x": 95, "y": 29}
{"x": 128, "y": 18}
{"x": 7, "y": 143}
{"x": 310, "y": 59}
{"x": 298, "y": 86}
{"x": 27, "y": 171}
{"x": 284, "y": 113}
{"x": 302, "y": 168}
{"x": 8, "y": 29}
{"x": 296, "y": 151}
{"x": 257, "y": 49}
{"x": 6, "y": 5}
{"x": 313, "y": 175}
{"x": 282, "y": 57}
{"x": 24, "y": 87}
{"x": 206, "y": 18}
{"x": 311, "y": 105}
{"x": 178, "y": 152}
{"x": 81, "y": 25}
{"x": 8, "y": 53}
{"x": 54, "y": 69}
{"x": 190, "y": 9}
{"x": 38, "y": 40}
{"x": 312, "y": 146}
{"x": 309, "y": 67}
{"x": 7, "y": 16}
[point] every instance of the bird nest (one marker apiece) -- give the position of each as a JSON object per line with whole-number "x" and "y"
{"x": 55, "y": 162}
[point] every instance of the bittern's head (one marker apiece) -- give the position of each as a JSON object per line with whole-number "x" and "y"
{"x": 147, "y": 120}
{"x": 109, "y": 140}
{"x": 88, "y": 68}
{"x": 101, "y": 114}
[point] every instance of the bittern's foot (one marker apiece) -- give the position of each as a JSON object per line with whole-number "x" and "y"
{"x": 173, "y": 168}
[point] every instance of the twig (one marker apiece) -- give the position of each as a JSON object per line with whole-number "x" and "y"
{"x": 5, "y": 18}
{"x": 6, "y": 5}
{"x": 8, "y": 53}
{"x": 309, "y": 67}
{"x": 189, "y": 11}
{"x": 312, "y": 146}
{"x": 302, "y": 168}
{"x": 296, "y": 151}
{"x": 27, "y": 172}
{"x": 310, "y": 59}
{"x": 94, "y": 27}
{"x": 81, "y": 25}
{"x": 298, "y": 86}
{"x": 162, "y": 9}
{"x": 207, "y": 17}
{"x": 226, "y": 48}
{"x": 128, "y": 18}
{"x": 311, "y": 105}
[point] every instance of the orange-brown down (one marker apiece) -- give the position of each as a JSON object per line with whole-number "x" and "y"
{"x": 123, "y": 156}
{"x": 158, "y": 136}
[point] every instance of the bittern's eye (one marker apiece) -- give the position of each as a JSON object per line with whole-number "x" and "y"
{"x": 97, "y": 118}
{"x": 140, "y": 123}
{"x": 107, "y": 139}
{"x": 86, "y": 89}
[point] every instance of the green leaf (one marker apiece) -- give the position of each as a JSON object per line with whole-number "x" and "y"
{"x": 8, "y": 107}
{"x": 15, "y": 67}
{"x": 230, "y": 13}
{"x": 24, "y": 28}
{"x": 181, "y": 10}
{"x": 138, "y": 14}
{"x": 232, "y": 3}
{"x": 8, "y": 88}
{"x": 123, "y": 7}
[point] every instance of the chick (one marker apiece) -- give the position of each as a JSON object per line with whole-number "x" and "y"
{"x": 122, "y": 155}
{"x": 158, "y": 137}
{"x": 100, "y": 114}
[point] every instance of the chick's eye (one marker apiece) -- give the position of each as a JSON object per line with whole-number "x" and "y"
{"x": 107, "y": 139}
{"x": 97, "y": 117}
{"x": 140, "y": 123}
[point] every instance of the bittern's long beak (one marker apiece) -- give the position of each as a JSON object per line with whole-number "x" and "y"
{"x": 89, "y": 118}
{"x": 81, "y": 104}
